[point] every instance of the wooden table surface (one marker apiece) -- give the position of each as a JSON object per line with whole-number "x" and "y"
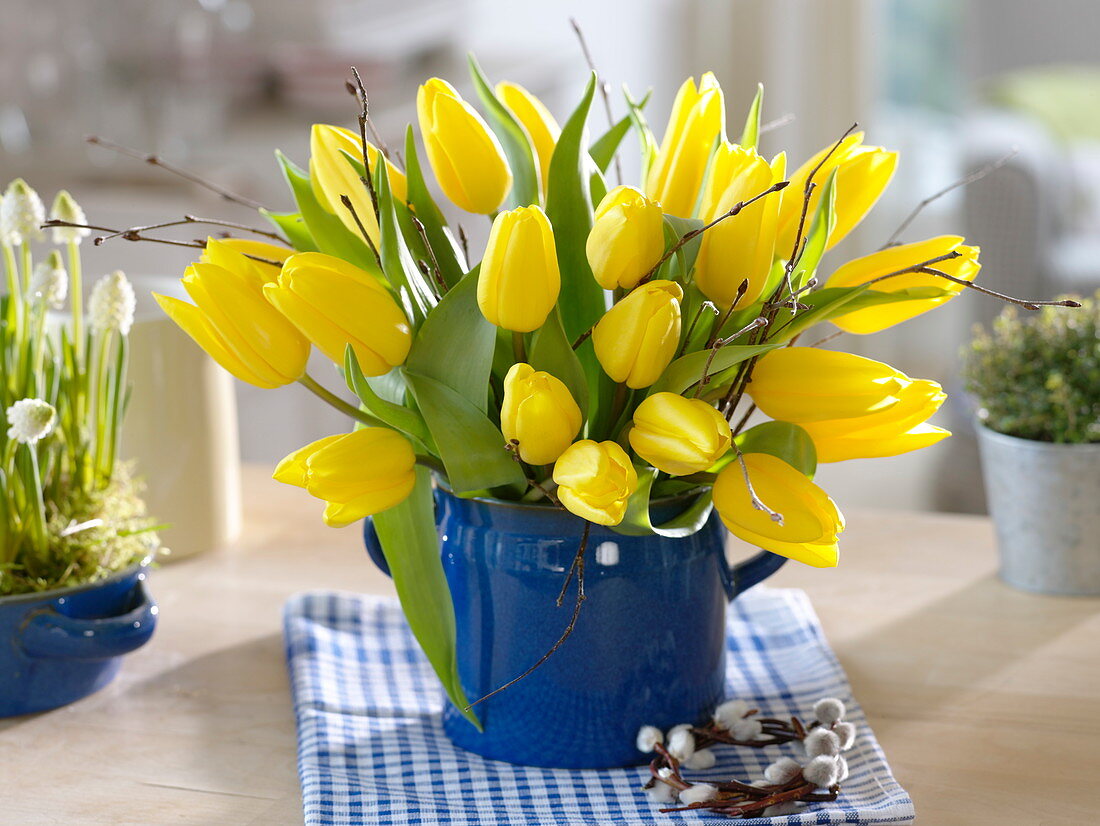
{"x": 986, "y": 700}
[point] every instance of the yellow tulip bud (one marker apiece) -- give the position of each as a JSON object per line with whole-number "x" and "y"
{"x": 539, "y": 414}
{"x": 215, "y": 254}
{"x": 810, "y": 523}
{"x": 678, "y": 435}
{"x": 697, "y": 119}
{"x": 465, "y": 155}
{"x": 807, "y": 384}
{"x": 594, "y": 481}
{"x": 892, "y": 259}
{"x": 357, "y": 474}
{"x": 541, "y": 127}
{"x": 889, "y": 432}
{"x": 863, "y": 173}
{"x": 740, "y": 248}
{"x": 637, "y": 338}
{"x": 233, "y": 322}
{"x": 335, "y": 304}
{"x": 331, "y": 175}
{"x": 519, "y": 280}
{"x": 627, "y": 238}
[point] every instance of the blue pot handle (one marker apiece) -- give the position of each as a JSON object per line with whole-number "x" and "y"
{"x": 374, "y": 547}
{"x": 51, "y": 635}
{"x": 742, "y": 576}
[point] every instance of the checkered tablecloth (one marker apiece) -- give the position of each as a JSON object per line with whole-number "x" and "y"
{"x": 371, "y": 747}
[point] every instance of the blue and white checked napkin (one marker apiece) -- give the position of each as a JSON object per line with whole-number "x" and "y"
{"x": 371, "y": 747}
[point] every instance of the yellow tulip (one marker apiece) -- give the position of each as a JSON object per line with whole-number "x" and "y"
{"x": 519, "y": 280}
{"x": 357, "y": 474}
{"x": 892, "y": 259}
{"x": 335, "y": 304}
{"x": 810, "y": 523}
{"x": 697, "y": 119}
{"x": 539, "y": 414}
{"x": 541, "y": 127}
{"x": 465, "y": 155}
{"x": 889, "y": 432}
{"x": 807, "y": 384}
{"x": 248, "y": 247}
{"x": 331, "y": 176}
{"x": 678, "y": 435}
{"x": 637, "y": 338}
{"x": 233, "y": 322}
{"x": 627, "y": 238}
{"x": 863, "y": 173}
{"x": 740, "y": 248}
{"x": 594, "y": 481}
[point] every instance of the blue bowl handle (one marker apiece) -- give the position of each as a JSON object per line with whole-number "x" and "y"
{"x": 374, "y": 547}
{"x": 52, "y": 635}
{"x": 742, "y": 576}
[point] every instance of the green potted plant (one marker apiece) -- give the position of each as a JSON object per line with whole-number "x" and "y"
{"x": 1037, "y": 381}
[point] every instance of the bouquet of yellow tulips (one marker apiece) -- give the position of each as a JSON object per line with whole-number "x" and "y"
{"x": 603, "y": 351}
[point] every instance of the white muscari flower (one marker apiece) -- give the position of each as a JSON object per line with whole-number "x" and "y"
{"x": 661, "y": 793}
{"x": 829, "y": 710}
{"x": 730, "y": 712}
{"x": 66, "y": 209}
{"x": 782, "y": 771}
{"x": 30, "y": 420}
{"x": 111, "y": 304}
{"x": 681, "y": 743}
{"x": 821, "y": 741}
{"x": 847, "y": 734}
{"x": 699, "y": 793}
{"x": 648, "y": 738}
{"x": 702, "y": 760}
{"x": 50, "y": 282}
{"x": 822, "y": 771}
{"x": 842, "y": 769}
{"x": 747, "y": 728}
{"x": 22, "y": 214}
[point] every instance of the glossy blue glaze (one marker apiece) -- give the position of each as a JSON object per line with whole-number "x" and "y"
{"x": 648, "y": 647}
{"x": 59, "y": 646}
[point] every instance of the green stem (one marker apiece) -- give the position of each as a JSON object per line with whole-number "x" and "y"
{"x": 431, "y": 463}
{"x": 25, "y": 248}
{"x": 326, "y": 395}
{"x": 38, "y": 539}
{"x": 76, "y": 296}
{"x": 15, "y": 295}
{"x": 519, "y": 349}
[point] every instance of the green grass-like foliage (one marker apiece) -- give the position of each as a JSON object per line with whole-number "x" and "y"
{"x": 1037, "y": 375}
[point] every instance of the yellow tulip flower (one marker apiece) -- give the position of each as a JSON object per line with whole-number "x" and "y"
{"x": 678, "y": 435}
{"x": 863, "y": 173}
{"x": 519, "y": 281}
{"x": 248, "y": 247}
{"x": 541, "y": 127}
{"x": 465, "y": 155}
{"x": 358, "y": 474}
{"x": 233, "y": 322}
{"x": 889, "y": 432}
{"x": 335, "y": 304}
{"x": 594, "y": 480}
{"x": 807, "y": 384}
{"x": 637, "y": 338}
{"x": 331, "y": 176}
{"x": 539, "y": 414}
{"x": 697, "y": 119}
{"x": 627, "y": 238}
{"x": 811, "y": 521}
{"x": 892, "y": 259}
{"x": 740, "y": 248}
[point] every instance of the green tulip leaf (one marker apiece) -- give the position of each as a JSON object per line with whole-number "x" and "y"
{"x": 294, "y": 229}
{"x": 783, "y": 440}
{"x": 681, "y": 264}
{"x": 831, "y": 302}
{"x": 409, "y": 542}
{"x": 604, "y": 148}
{"x": 551, "y": 351}
{"x": 637, "y": 522}
{"x": 396, "y": 416}
{"x": 646, "y": 140}
{"x": 513, "y": 139}
{"x": 447, "y": 252}
{"x": 750, "y": 137}
{"x": 470, "y": 445}
{"x": 687, "y": 370}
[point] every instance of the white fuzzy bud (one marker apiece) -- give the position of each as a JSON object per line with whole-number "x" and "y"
{"x": 648, "y": 738}
{"x": 727, "y": 714}
{"x": 661, "y": 793}
{"x": 842, "y": 770}
{"x": 847, "y": 734}
{"x": 665, "y": 772}
{"x": 822, "y": 771}
{"x": 66, "y": 209}
{"x": 50, "y": 282}
{"x": 787, "y": 807}
{"x": 22, "y": 214}
{"x": 782, "y": 771}
{"x": 747, "y": 728}
{"x": 30, "y": 420}
{"x": 822, "y": 741}
{"x": 111, "y": 305}
{"x": 829, "y": 710}
{"x": 699, "y": 793}
{"x": 702, "y": 760}
{"x": 681, "y": 744}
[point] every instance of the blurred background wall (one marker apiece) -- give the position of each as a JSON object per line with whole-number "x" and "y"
{"x": 216, "y": 85}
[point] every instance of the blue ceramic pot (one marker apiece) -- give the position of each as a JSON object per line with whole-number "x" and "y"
{"x": 648, "y": 647}
{"x": 59, "y": 646}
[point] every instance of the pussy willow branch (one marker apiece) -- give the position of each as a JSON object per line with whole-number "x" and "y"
{"x": 757, "y": 502}
{"x": 1027, "y": 304}
{"x": 359, "y": 92}
{"x": 437, "y": 274}
{"x": 187, "y": 175}
{"x": 364, "y": 118}
{"x": 718, "y": 344}
{"x": 742, "y": 288}
{"x": 186, "y": 220}
{"x": 604, "y": 93}
{"x": 706, "y": 305}
{"x": 782, "y": 120}
{"x": 350, "y": 207}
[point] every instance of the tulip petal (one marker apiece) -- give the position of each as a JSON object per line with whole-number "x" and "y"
{"x": 293, "y": 469}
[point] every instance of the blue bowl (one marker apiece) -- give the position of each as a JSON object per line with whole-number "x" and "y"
{"x": 58, "y": 646}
